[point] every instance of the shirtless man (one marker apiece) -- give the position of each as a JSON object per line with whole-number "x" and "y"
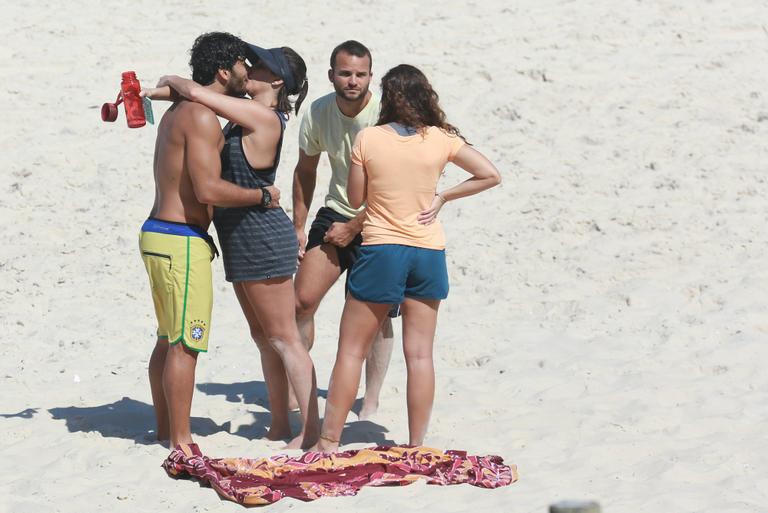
{"x": 330, "y": 125}
{"x": 175, "y": 246}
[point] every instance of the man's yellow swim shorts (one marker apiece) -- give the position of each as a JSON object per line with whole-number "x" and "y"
{"x": 178, "y": 257}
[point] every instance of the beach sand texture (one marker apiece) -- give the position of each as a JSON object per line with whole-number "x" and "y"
{"x": 606, "y": 325}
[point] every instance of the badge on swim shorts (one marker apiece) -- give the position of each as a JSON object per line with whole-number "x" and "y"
{"x": 197, "y": 329}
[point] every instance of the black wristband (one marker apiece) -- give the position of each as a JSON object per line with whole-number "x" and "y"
{"x": 266, "y": 197}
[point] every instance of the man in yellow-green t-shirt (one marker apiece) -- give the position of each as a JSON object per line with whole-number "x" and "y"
{"x": 332, "y": 245}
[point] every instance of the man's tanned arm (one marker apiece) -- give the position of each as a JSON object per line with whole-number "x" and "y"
{"x": 341, "y": 234}
{"x": 304, "y": 181}
{"x": 203, "y": 163}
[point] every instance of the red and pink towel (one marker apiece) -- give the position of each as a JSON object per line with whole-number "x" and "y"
{"x": 313, "y": 474}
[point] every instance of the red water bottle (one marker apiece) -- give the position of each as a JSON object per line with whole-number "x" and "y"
{"x": 129, "y": 96}
{"x": 134, "y": 106}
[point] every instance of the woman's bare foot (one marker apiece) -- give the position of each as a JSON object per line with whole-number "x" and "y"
{"x": 325, "y": 444}
{"x": 296, "y": 443}
{"x": 303, "y": 442}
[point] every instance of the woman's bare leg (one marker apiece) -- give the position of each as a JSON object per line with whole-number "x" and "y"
{"x": 419, "y": 322}
{"x": 273, "y": 303}
{"x": 359, "y": 324}
{"x": 272, "y": 368}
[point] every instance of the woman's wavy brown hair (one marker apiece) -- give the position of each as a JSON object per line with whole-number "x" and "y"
{"x": 408, "y": 98}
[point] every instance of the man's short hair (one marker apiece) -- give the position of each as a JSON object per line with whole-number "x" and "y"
{"x": 352, "y": 47}
{"x": 213, "y": 51}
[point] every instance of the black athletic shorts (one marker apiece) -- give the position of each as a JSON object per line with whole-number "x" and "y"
{"x": 347, "y": 255}
{"x": 323, "y": 220}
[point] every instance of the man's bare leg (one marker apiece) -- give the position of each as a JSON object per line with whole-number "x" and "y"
{"x": 317, "y": 273}
{"x": 179, "y": 385}
{"x": 273, "y": 301}
{"x": 272, "y": 368}
{"x": 419, "y": 322}
{"x": 156, "y": 366}
{"x": 376, "y": 365}
{"x": 359, "y": 323}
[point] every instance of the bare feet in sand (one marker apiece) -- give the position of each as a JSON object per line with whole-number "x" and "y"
{"x": 325, "y": 444}
{"x": 303, "y": 442}
{"x": 298, "y": 442}
{"x": 368, "y": 409}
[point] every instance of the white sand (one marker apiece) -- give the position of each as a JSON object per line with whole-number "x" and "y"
{"x": 607, "y": 323}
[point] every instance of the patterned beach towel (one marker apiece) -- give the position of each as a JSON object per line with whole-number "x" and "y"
{"x": 313, "y": 474}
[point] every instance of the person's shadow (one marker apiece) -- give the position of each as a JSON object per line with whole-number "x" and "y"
{"x": 23, "y": 414}
{"x": 135, "y": 420}
{"x": 247, "y": 392}
{"x": 255, "y": 392}
{"x": 127, "y": 418}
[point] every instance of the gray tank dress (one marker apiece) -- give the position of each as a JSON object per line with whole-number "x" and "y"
{"x": 256, "y": 243}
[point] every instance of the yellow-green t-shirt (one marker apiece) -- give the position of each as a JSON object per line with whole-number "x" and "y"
{"x": 325, "y": 128}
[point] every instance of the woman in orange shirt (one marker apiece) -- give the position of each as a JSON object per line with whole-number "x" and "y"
{"x": 395, "y": 169}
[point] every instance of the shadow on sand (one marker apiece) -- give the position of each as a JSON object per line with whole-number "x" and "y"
{"x": 365, "y": 431}
{"x": 126, "y": 418}
{"x": 135, "y": 420}
{"x": 255, "y": 392}
{"x": 23, "y": 414}
{"x": 248, "y": 392}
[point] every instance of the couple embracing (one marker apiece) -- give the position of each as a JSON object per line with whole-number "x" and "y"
{"x": 402, "y": 260}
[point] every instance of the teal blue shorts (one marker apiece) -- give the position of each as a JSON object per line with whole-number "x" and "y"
{"x": 388, "y": 273}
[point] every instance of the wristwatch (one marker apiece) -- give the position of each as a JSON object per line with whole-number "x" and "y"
{"x": 266, "y": 197}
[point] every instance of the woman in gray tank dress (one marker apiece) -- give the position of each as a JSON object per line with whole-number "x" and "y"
{"x": 258, "y": 244}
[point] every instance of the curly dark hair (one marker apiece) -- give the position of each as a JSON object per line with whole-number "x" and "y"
{"x": 213, "y": 51}
{"x": 408, "y": 98}
{"x": 298, "y": 69}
